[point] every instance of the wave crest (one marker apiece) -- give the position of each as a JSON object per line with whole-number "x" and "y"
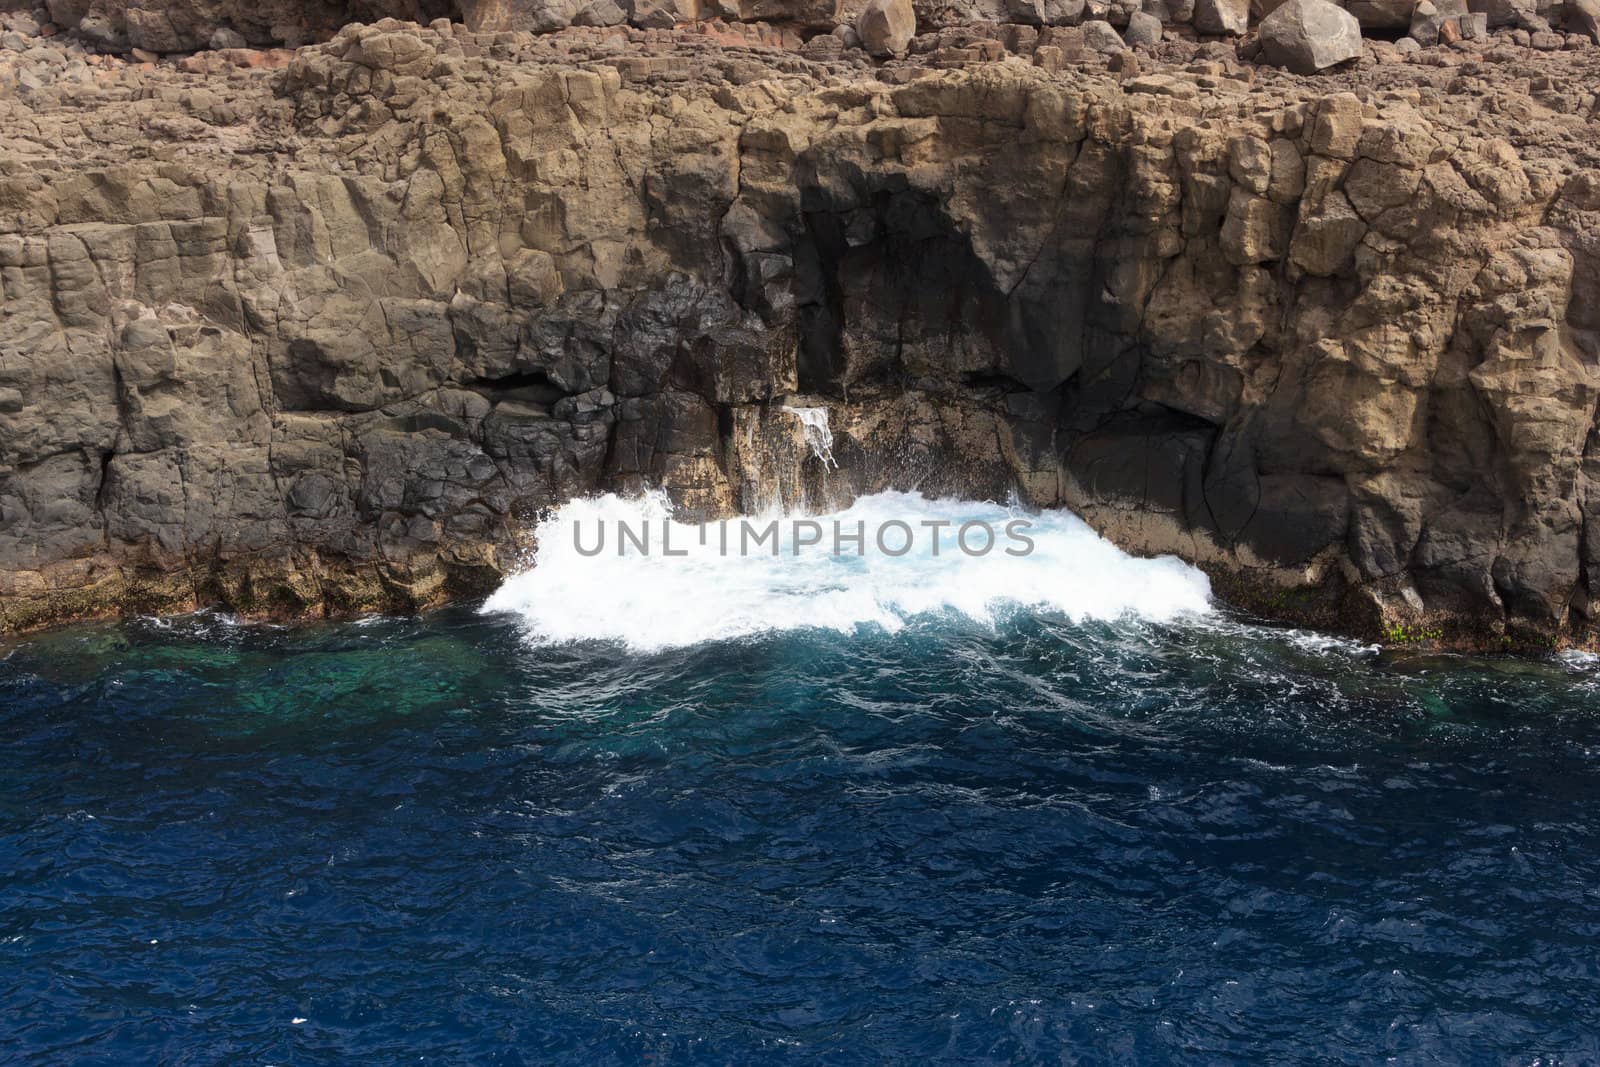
{"x": 652, "y": 601}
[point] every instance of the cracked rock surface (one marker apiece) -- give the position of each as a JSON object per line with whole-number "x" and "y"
{"x": 322, "y": 331}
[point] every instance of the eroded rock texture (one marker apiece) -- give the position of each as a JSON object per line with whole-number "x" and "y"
{"x": 327, "y": 340}
{"x": 187, "y": 25}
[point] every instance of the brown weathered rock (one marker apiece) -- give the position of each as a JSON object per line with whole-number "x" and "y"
{"x": 1382, "y": 14}
{"x": 600, "y": 13}
{"x": 1063, "y": 12}
{"x": 1583, "y": 16}
{"x": 1222, "y": 16}
{"x": 1429, "y": 16}
{"x": 660, "y": 14}
{"x": 1101, "y": 36}
{"x": 1143, "y": 30}
{"x": 186, "y": 25}
{"x": 321, "y": 339}
{"x": 537, "y": 16}
{"x": 886, "y": 26}
{"x": 1306, "y": 36}
{"x": 801, "y": 14}
{"x": 1520, "y": 13}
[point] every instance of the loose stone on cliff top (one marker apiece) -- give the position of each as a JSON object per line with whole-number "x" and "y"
{"x": 1583, "y": 16}
{"x": 1523, "y": 14}
{"x": 1430, "y": 16}
{"x": 1027, "y": 12}
{"x": 1170, "y": 10}
{"x": 886, "y": 27}
{"x": 1143, "y": 29}
{"x": 600, "y": 13}
{"x": 1222, "y": 16}
{"x": 660, "y": 14}
{"x": 1306, "y": 36}
{"x": 1101, "y": 36}
{"x": 1382, "y": 14}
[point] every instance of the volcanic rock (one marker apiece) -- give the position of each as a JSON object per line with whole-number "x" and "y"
{"x": 317, "y": 332}
{"x": 1222, "y": 16}
{"x": 1306, "y": 36}
{"x": 1143, "y": 30}
{"x": 1101, "y": 36}
{"x": 886, "y": 26}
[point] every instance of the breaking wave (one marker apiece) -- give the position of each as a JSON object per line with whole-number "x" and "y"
{"x": 650, "y": 601}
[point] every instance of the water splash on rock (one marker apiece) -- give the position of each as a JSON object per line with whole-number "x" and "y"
{"x": 705, "y": 592}
{"x": 818, "y": 435}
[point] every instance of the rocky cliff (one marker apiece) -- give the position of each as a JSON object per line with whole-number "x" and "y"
{"x": 323, "y": 331}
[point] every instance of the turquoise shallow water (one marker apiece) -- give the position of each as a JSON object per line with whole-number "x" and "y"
{"x": 1042, "y": 841}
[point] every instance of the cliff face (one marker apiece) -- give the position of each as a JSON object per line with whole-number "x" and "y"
{"x": 326, "y": 338}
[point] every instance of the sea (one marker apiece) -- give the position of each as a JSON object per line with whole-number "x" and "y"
{"x": 1055, "y": 807}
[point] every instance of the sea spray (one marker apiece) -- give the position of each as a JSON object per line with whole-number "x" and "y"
{"x": 650, "y": 601}
{"x": 814, "y": 424}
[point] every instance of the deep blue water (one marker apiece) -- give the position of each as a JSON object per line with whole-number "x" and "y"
{"x": 426, "y": 840}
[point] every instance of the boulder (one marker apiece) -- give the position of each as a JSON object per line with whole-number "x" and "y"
{"x": 886, "y": 27}
{"x": 22, "y": 22}
{"x": 600, "y": 13}
{"x": 534, "y": 16}
{"x": 1430, "y": 15}
{"x": 1180, "y": 11}
{"x": 816, "y": 15}
{"x": 1518, "y": 13}
{"x": 660, "y": 14}
{"x": 1583, "y": 16}
{"x": 1382, "y": 14}
{"x": 1101, "y": 36}
{"x": 1118, "y": 11}
{"x": 188, "y": 25}
{"x": 1142, "y": 30}
{"x": 1063, "y": 12}
{"x": 1306, "y": 36}
{"x": 1222, "y": 16}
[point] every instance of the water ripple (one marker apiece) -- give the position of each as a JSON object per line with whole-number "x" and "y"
{"x": 1032, "y": 841}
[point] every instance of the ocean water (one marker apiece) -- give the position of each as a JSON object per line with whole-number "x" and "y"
{"x": 1051, "y": 809}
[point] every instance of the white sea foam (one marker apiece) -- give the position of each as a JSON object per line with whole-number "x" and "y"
{"x": 653, "y": 601}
